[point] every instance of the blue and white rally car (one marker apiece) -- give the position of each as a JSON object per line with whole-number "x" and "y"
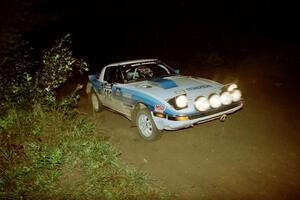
{"x": 155, "y": 97}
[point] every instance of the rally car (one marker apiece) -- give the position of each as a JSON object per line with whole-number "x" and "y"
{"x": 155, "y": 97}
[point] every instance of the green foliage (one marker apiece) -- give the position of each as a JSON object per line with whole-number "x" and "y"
{"x": 15, "y": 67}
{"x": 59, "y": 64}
{"x": 66, "y": 159}
{"x": 48, "y": 150}
{"x": 26, "y": 81}
{"x": 6, "y": 122}
{"x": 71, "y": 100}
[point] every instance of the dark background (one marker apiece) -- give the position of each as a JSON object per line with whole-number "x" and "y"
{"x": 109, "y": 31}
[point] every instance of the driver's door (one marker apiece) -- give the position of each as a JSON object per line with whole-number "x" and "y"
{"x": 109, "y": 98}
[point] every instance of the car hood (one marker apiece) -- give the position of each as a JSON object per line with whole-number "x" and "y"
{"x": 169, "y": 87}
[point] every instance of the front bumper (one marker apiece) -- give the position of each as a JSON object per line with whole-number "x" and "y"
{"x": 172, "y": 122}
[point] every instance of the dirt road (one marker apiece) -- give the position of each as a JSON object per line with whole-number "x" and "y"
{"x": 254, "y": 154}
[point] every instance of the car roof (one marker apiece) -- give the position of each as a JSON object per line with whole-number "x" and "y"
{"x": 132, "y": 62}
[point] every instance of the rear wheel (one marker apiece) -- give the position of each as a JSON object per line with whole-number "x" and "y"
{"x": 96, "y": 103}
{"x": 146, "y": 125}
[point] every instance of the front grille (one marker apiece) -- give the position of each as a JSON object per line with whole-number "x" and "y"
{"x": 215, "y": 110}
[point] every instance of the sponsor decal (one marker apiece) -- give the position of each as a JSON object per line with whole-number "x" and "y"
{"x": 159, "y": 108}
{"x": 107, "y": 93}
{"x": 143, "y": 63}
{"x": 118, "y": 92}
{"x": 198, "y": 87}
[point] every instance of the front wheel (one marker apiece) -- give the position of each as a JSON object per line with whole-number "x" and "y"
{"x": 146, "y": 126}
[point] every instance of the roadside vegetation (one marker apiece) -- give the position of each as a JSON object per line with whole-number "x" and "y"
{"x": 47, "y": 148}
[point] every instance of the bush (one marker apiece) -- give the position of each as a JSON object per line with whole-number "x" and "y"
{"x": 25, "y": 83}
{"x": 48, "y": 150}
{"x": 59, "y": 65}
{"x": 15, "y": 68}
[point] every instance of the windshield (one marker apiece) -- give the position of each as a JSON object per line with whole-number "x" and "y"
{"x": 148, "y": 71}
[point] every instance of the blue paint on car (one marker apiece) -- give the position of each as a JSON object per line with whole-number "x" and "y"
{"x": 95, "y": 82}
{"x": 150, "y": 102}
{"x": 165, "y": 83}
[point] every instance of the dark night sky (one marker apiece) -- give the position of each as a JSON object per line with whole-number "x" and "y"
{"x": 141, "y": 25}
{"x": 109, "y": 30}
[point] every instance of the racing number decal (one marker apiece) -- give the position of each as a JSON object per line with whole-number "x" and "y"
{"x": 107, "y": 93}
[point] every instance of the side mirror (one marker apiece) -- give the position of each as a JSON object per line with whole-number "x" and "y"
{"x": 177, "y": 71}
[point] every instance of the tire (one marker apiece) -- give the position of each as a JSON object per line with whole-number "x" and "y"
{"x": 146, "y": 126}
{"x": 95, "y": 101}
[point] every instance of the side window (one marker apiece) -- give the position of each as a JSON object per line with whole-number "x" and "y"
{"x": 160, "y": 70}
{"x": 113, "y": 75}
{"x": 108, "y": 76}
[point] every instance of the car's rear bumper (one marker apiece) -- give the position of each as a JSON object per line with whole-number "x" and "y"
{"x": 174, "y": 123}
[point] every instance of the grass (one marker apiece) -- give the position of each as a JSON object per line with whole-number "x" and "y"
{"x": 55, "y": 154}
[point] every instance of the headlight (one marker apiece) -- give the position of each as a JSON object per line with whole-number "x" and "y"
{"x": 226, "y": 98}
{"x": 215, "y": 101}
{"x": 181, "y": 101}
{"x": 236, "y": 95}
{"x": 202, "y": 104}
{"x": 231, "y": 87}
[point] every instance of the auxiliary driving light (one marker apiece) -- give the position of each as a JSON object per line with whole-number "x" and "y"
{"x": 181, "y": 101}
{"x": 202, "y": 104}
{"x": 215, "y": 101}
{"x": 236, "y": 95}
{"x": 226, "y": 98}
{"x": 232, "y": 87}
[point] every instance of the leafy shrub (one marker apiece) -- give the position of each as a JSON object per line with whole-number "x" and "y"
{"x": 15, "y": 68}
{"x": 26, "y": 81}
{"x": 59, "y": 65}
{"x": 43, "y": 146}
